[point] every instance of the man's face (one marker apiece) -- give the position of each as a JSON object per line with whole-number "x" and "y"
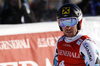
{"x": 70, "y": 31}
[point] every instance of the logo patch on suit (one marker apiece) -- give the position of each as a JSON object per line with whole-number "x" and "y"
{"x": 79, "y": 41}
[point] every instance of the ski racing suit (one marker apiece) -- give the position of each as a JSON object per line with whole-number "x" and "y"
{"x": 76, "y": 51}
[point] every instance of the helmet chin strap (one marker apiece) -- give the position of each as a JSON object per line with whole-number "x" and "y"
{"x": 77, "y": 32}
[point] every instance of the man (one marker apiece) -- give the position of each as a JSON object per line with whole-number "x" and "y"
{"x": 74, "y": 48}
{"x": 16, "y": 12}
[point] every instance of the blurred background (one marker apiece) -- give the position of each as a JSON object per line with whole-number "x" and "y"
{"x": 45, "y": 10}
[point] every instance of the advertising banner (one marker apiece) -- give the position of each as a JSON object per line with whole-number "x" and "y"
{"x": 30, "y": 49}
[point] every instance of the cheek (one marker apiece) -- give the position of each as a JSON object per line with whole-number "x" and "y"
{"x": 62, "y": 28}
{"x": 74, "y": 28}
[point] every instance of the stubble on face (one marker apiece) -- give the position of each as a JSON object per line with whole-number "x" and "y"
{"x": 70, "y": 31}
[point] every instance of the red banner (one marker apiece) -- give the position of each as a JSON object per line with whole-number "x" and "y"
{"x": 31, "y": 49}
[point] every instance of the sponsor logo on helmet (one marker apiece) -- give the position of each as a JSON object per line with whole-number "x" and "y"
{"x": 66, "y": 10}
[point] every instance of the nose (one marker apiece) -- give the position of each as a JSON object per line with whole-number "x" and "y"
{"x": 68, "y": 27}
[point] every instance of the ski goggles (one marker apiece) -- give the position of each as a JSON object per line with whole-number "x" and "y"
{"x": 63, "y": 22}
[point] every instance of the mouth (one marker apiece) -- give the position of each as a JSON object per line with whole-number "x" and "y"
{"x": 69, "y": 31}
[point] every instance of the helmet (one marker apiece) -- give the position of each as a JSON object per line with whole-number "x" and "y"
{"x": 70, "y": 10}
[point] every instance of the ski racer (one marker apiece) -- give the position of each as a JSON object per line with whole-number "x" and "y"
{"x": 74, "y": 48}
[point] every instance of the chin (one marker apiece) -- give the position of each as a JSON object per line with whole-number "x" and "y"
{"x": 69, "y": 35}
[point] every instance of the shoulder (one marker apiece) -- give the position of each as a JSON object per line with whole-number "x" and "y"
{"x": 61, "y": 38}
{"x": 88, "y": 45}
{"x": 88, "y": 41}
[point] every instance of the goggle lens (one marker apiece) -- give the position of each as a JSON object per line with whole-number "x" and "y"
{"x": 63, "y": 22}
